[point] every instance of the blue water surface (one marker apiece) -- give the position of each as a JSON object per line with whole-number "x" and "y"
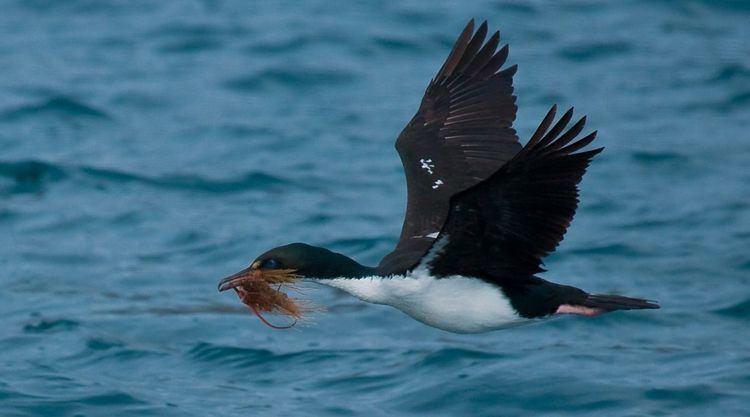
{"x": 148, "y": 148}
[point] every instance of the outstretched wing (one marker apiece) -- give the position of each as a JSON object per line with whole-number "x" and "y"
{"x": 500, "y": 229}
{"x": 460, "y": 135}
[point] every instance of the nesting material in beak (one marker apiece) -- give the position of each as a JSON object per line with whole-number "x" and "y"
{"x": 261, "y": 291}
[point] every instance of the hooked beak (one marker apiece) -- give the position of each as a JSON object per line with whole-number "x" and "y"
{"x": 236, "y": 280}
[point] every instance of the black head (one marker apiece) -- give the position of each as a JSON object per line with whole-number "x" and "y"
{"x": 302, "y": 260}
{"x": 307, "y": 260}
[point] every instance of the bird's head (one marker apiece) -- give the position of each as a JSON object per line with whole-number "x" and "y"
{"x": 260, "y": 285}
{"x": 288, "y": 263}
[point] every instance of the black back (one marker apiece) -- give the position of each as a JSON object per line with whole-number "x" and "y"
{"x": 461, "y": 134}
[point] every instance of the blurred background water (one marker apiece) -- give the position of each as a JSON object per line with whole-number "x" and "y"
{"x": 148, "y": 148}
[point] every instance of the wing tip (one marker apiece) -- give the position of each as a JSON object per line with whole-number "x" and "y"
{"x": 556, "y": 141}
{"x": 542, "y": 128}
{"x": 483, "y": 26}
{"x": 454, "y": 57}
{"x": 467, "y": 53}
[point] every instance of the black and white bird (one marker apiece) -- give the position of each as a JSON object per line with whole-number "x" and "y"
{"x": 482, "y": 211}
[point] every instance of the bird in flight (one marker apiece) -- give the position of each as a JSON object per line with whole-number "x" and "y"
{"x": 482, "y": 212}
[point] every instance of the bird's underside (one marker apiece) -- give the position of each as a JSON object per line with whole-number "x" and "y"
{"x": 482, "y": 211}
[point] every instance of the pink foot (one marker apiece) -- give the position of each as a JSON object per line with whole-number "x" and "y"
{"x": 580, "y": 310}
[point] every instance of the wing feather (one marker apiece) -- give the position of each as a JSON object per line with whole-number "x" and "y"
{"x": 502, "y": 228}
{"x": 460, "y": 135}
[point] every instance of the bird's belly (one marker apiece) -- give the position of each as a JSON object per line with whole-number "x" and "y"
{"x": 455, "y": 304}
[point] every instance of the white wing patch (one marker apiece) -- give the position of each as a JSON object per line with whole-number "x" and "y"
{"x": 437, "y": 184}
{"x": 427, "y": 165}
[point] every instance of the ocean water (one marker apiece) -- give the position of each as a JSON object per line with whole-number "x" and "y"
{"x": 149, "y": 148}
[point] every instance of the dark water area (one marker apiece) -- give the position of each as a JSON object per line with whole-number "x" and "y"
{"x": 148, "y": 148}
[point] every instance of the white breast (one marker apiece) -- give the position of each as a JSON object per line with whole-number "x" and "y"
{"x": 456, "y": 304}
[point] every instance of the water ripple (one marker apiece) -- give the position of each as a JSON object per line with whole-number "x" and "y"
{"x": 740, "y": 310}
{"x": 49, "y": 326}
{"x": 393, "y": 43}
{"x": 615, "y": 249}
{"x": 595, "y": 51}
{"x": 686, "y": 396}
{"x": 734, "y": 101}
{"x": 647, "y": 158}
{"x": 248, "y": 181}
{"x": 249, "y": 357}
{"x": 63, "y": 107}
{"x": 197, "y": 31}
{"x": 280, "y": 47}
{"x": 207, "y": 352}
{"x": 32, "y": 176}
{"x": 290, "y": 78}
{"x": 190, "y": 46}
{"x": 448, "y": 357}
{"x": 730, "y": 72}
{"x": 518, "y": 7}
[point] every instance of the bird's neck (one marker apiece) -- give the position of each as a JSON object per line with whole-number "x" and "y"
{"x": 336, "y": 265}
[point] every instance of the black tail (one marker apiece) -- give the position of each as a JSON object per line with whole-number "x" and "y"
{"x": 618, "y": 302}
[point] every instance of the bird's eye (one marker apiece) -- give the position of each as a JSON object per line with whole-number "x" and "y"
{"x": 270, "y": 263}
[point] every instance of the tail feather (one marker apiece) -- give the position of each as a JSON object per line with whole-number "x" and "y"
{"x": 618, "y": 302}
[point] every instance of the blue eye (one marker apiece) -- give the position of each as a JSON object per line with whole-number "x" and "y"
{"x": 270, "y": 263}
